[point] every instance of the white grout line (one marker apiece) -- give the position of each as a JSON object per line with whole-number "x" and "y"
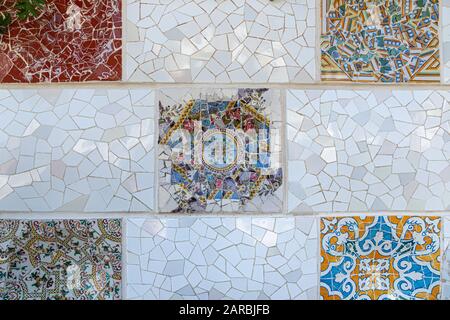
{"x": 126, "y": 215}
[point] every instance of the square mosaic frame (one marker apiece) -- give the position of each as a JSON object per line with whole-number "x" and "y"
{"x": 249, "y": 179}
{"x": 60, "y": 259}
{"x": 380, "y": 54}
{"x": 380, "y": 257}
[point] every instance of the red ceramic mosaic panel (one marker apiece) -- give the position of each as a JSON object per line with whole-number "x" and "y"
{"x": 72, "y": 41}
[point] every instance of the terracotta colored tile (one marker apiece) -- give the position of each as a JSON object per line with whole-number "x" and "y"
{"x": 72, "y": 41}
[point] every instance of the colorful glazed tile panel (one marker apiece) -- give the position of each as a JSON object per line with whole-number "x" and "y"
{"x": 60, "y": 259}
{"x": 380, "y": 40}
{"x": 222, "y": 258}
{"x": 77, "y": 150}
{"x": 227, "y": 41}
{"x": 71, "y": 41}
{"x": 220, "y": 150}
{"x": 378, "y": 258}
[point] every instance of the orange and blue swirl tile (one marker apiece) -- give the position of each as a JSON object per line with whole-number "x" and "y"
{"x": 380, "y": 258}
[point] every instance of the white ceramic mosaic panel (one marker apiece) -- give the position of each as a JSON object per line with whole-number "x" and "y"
{"x": 222, "y": 258}
{"x": 354, "y": 150}
{"x": 225, "y": 41}
{"x": 76, "y": 150}
{"x": 445, "y": 38}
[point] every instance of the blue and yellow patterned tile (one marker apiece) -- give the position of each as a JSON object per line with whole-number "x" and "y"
{"x": 60, "y": 259}
{"x": 380, "y": 258}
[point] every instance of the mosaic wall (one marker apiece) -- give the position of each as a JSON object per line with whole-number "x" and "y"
{"x": 378, "y": 258}
{"x": 360, "y": 150}
{"x": 89, "y": 150}
{"x": 220, "y": 150}
{"x": 60, "y": 259}
{"x": 77, "y": 150}
{"x": 222, "y": 258}
{"x": 380, "y": 41}
{"x": 221, "y": 41}
{"x": 70, "y": 41}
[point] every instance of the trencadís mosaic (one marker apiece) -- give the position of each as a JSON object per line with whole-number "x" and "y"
{"x": 60, "y": 259}
{"x": 380, "y": 257}
{"x": 380, "y": 41}
{"x": 220, "y": 151}
{"x": 71, "y": 41}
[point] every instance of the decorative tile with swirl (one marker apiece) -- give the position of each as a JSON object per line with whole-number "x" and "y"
{"x": 380, "y": 257}
{"x": 224, "y": 41}
{"x": 60, "y": 259}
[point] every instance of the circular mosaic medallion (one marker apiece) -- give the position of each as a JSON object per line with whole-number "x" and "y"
{"x": 222, "y": 150}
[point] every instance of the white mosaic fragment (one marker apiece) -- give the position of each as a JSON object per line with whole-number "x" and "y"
{"x": 445, "y": 38}
{"x": 355, "y": 150}
{"x": 191, "y": 179}
{"x": 77, "y": 150}
{"x": 229, "y": 41}
{"x": 222, "y": 258}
